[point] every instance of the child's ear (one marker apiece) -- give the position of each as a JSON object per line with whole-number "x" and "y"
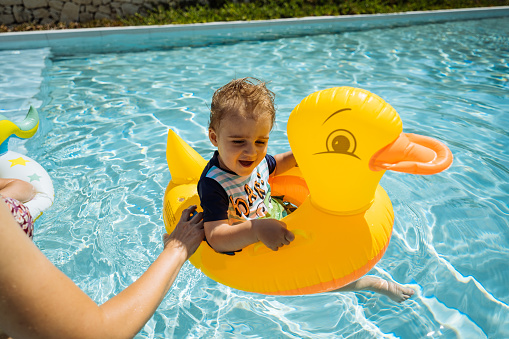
{"x": 213, "y": 137}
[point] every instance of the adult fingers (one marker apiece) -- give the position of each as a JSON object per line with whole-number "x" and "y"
{"x": 187, "y": 213}
{"x": 197, "y": 217}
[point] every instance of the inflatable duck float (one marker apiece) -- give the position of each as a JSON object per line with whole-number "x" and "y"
{"x": 18, "y": 166}
{"x": 344, "y": 139}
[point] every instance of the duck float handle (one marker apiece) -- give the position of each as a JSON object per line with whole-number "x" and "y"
{"x": 344, "y": 139}
{"x": 18, "y": 166}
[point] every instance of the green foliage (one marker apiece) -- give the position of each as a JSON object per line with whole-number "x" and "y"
{"x": 224, "y": 10}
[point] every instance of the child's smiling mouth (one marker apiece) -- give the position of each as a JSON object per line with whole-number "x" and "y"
{"x": 246, "y": 163}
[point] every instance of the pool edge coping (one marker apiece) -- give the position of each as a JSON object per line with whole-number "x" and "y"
{"x": 225, "y": 31}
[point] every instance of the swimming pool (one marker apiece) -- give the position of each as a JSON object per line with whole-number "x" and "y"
{"x": 102, "y": 140}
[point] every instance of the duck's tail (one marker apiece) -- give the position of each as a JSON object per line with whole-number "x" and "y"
{"x": 185, "y": 164}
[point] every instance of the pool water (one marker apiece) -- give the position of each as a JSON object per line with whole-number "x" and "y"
{"x": 104, "y": 121}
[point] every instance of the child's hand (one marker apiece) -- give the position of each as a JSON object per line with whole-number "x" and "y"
{"x": 272, "y": 233}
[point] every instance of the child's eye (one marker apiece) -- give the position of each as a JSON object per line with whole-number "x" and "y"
{"x": 238, "y": 142}
{"x": 259, "y": 142}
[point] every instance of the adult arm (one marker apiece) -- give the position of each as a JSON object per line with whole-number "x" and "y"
{"x": 38, "y": 301}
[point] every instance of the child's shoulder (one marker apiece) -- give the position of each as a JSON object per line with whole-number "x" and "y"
{"x": 271, "y": 162}
{"x": 212, "y": 162}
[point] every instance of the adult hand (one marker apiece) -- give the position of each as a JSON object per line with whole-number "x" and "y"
{"x": 188, "y": 234}
{"x": 26, "y": 311}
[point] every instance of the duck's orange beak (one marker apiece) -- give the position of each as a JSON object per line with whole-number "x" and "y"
{"x": 413, "y": 153}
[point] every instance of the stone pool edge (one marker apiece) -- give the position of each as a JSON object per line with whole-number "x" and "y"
{"x": 139, "y": 38}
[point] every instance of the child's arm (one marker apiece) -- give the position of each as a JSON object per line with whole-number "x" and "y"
{"x": 225, "y": 238}
{"x": 284, "y": 162}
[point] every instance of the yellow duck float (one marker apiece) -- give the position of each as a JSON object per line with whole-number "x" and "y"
{"x": 343, "y": 139}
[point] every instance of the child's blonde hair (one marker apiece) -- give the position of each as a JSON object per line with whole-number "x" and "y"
{"x": 246, "y": 97}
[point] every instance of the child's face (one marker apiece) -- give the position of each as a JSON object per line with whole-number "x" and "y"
{"x": 241, "y": 143}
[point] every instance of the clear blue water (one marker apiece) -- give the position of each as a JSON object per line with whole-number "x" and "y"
{"x": 103, "y": 132}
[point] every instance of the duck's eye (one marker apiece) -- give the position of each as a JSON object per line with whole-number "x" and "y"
{"x": 341, "y": 141}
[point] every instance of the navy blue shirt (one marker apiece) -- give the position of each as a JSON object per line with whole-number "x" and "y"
{"x": 224, "y": 195}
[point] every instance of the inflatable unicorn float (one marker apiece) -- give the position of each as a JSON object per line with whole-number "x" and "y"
{"x": 19, "y": 166}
